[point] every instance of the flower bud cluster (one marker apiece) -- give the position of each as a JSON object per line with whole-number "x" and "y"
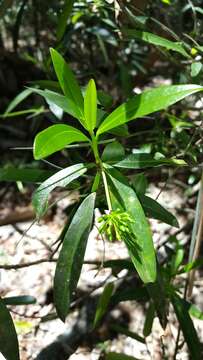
{"x": 116, "y": 225}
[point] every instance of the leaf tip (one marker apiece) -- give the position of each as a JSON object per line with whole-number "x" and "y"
{"x": 52, "y": 50}
{"x": 176, "y": 223}
{"x": 53, "y": 53}
{"x": 92, "y": 81}
{"x": 62, "y": 318}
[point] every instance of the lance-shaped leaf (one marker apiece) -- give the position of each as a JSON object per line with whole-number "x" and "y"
{"x": 19, "y": 300}
{"x": 141, "y": 161}
{"x": 55, "y": 138}
{"x": 63, "y": 18}
{"x": 8, "y": 337}
{"x": 157, "y": 292}
{"x": 17, "y": 100}
{"x": 104, "y": 99}
{"x": 90, "y": 106}
{"x": 146, "y": 103}
{"x": 196, "y": 67}
{"x": 187, "y": 327}
{"x": 113, "y": 152}
{"x": 122, "y": 330}
{"x": 68, "y": 81}
{"x": 71, "y": 256}
{"x": 177, "y": 259}
{"x": 140, "y": 246}
{"x": 51, "y": 85}
{"x": 119, "y": 264}
{"x": 103, "y": 303}
{"x": 194, "y": 311}
{"x": 24, "y": 174}
{"x": 63, "y": 102}
{"x": 62, "y": 178}
{"x": 121, "y": 130}
{"x": 191, "y": 265}
{"x": 154, "y": 210}
{"x": 156, "y": 40}
{"x": 149, "y": 320}
{"x": 140, "y": 183}
{"x": 133, "y": 292}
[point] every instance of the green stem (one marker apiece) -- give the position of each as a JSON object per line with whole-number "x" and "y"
{"x": 108, "y": 199}
{"x": 99, "y": 164}
{"x": 96, "y": 151}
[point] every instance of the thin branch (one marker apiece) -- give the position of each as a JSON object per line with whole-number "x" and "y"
{"x": 52, "y": 164}
{"x": 24, "y": 265}
{"x": 38, "y": 262}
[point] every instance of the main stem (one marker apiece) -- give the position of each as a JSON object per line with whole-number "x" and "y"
{"x": 95, "y": 150}
{"x": 108, "y": 199}
{"x": 100, "y": 166}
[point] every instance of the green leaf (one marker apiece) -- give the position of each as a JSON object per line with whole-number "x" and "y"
{"x": 101, "y": 114}
{"x": 146, "y": 103}
{"x": 137, "y": 20}
{"x": 156, "y": 40}
{"x": 55, "y": 138}
{"x": 136, "y": 293}
{"x": 90, "y": 106}
{"x": 140, "y": 247}
{"x": 71, "y": 256}
{"x": 17, "y": 100}
{"x": 157, "y": 293}
{"x": 103, "y": 303}
{"x": 104, "y": 99}
{"x": 113, "y": 152}
{"x": 63, "y": 102}
{"x": 61, "y": 178}
{"x": 154, "y": 210}
{"x": 19, "y": 300}
{"x": 140, "y": 184}
{"x": 195, "y": 312}
{"x": 121, "y": 130}
{"x": 8, "y": 337}
{"x": 119, "y": 356}
{"x": 143, "y": 160}
{"x": 24, "y": 174}
{"x": 63, "y": 18}
{"x": 177, "y": 259}
{"x": 187, "y": 327}
{"x": 124, "y": 331}
{"x": 96, "y": 182}
{"x": 149, "y": 320}
{"x": 191, "y": 265}
{"x": 48, "y": 85}
{"x": 196, "y": 67}
{"x": 68, "y": 82}
{"x": 192, "y": 309}
{"x": 119, "y": 264}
